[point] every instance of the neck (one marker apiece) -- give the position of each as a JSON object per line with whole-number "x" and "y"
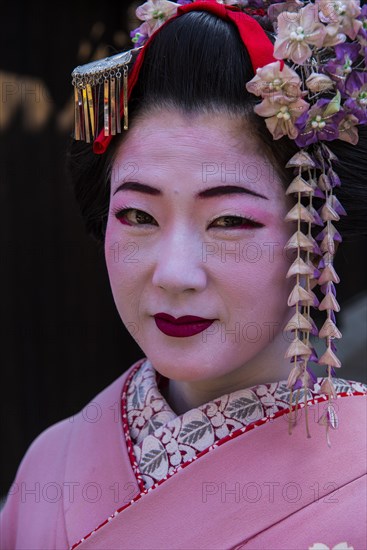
{"x": 262, "y": 369}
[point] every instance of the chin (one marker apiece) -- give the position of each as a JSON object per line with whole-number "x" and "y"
{"x": 187, "y": 367}
{"x": 177, "y": 368}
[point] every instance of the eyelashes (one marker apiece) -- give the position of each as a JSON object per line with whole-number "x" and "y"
{"x": 240, "y": 222}
{"x": 135, "y": 217}
{"x": 122, "y": 216}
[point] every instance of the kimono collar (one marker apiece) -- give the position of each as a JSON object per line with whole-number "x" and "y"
{"x": 161, "y": 441}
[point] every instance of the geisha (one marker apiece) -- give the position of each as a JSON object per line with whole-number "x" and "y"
{"x": 231, "y": 146}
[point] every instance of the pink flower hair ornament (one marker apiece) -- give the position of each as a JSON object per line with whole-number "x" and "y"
{"x": 312, "y": 88}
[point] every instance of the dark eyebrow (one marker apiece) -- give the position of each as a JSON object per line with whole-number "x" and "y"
{"x": 141, "y": 187}
{"x": 228, "y": 190}
{"x": 212, "y": 192}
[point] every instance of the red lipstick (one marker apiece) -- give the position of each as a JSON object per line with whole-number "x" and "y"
{"x": 188, "y": 325}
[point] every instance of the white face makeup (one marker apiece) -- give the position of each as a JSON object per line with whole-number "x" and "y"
{"x": 177, "y": 245}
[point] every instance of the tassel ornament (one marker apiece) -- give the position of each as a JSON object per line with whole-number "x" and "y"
{"x": 96, "y": 79}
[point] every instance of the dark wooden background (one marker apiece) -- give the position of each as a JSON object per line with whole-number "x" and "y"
{"x": 62, "y": 340}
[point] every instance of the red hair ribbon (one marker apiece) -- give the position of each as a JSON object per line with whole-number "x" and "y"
{"x": 251, "y": 32}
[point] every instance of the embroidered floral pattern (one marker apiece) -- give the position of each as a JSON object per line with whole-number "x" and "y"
{"x": 163, "y": 441}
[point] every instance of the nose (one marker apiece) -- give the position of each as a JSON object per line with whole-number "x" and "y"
{"x": 179, "y": 264}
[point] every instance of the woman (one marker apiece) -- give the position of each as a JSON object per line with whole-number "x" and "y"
{"x": 201, "y": 443}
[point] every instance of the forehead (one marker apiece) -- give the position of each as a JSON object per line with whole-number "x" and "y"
{"x": 206, "y": 147}
{"x": 206, "y": 131}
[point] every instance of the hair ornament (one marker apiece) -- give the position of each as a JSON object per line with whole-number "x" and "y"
{"x": 88, "y": 81}
{"x": 312, "y": 88}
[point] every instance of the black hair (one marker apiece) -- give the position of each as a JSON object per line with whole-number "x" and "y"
{"x": 197, "y": 63}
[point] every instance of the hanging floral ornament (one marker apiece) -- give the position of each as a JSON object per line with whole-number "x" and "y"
{"x": 334, "y": 86}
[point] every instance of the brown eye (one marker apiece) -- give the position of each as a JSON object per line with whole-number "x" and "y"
{"x": 132, "y": 216}
{"x": 235, "y": 222}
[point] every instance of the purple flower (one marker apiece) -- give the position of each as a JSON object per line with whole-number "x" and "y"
{"x": 312, "y": 375}
{"x": 340, "y": 67}
{"x": 334, "y": 178}
{"x": 308, "y": 378}
{"x": 183, "y": 2}
{"x": 356, "y": 88}
{"x": 256, "y": 3}
{"x": 318, "y": 123}
{"x": 140, "y": 35}
{"x": 327, "y": 287}
{"x": 336, "y": 237}
{"x": 313, "y": 357}
{"x": 362, "y": 33}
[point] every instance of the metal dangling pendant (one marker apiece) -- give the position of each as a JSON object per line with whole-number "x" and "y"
{"x": 90, "y": 108}
{"x": 96, "y": 90}
{"x": 86, "y": 115}
{"x": 106, "y": 106}
{"x": 77, "y": 125}
{"x": 118, "y": 101}
{"x": 113, "y": 104}
{"x": 125, "y": 93}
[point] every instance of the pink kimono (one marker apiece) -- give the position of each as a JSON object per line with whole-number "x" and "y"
{"x": 128, "y": 473}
